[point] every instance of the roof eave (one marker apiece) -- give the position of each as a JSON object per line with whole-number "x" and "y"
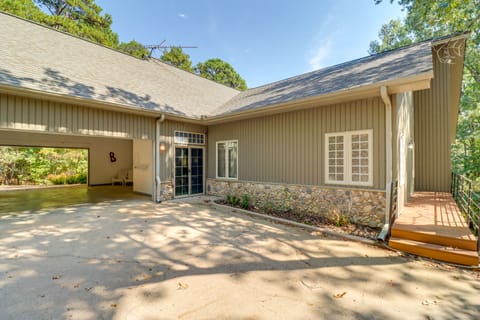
{"x": 62, "y": 98}
{"x": 414, "y": 83}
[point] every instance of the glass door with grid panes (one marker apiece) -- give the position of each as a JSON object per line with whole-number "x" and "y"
{"x": 189, "y": 171}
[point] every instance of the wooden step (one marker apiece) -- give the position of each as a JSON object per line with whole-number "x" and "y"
{"x": 437, "y": 252}
{"x": 466, "y": 241}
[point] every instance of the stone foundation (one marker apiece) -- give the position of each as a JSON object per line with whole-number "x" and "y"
{"x": 166, "y": 191}
{"x": 363, "y": 207}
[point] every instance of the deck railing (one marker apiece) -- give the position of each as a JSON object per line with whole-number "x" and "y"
{"x": 468, "y": 200}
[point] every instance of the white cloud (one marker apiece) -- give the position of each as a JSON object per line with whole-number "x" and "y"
{"x": 182, "y": 15}
{"x": 320, "y": 54}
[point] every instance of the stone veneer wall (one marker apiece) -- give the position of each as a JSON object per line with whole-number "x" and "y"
{"x": 166, "y": 191}
{"x": 364, "y": 207}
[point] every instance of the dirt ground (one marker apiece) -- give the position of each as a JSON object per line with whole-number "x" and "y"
{"x": 136, "y": 259}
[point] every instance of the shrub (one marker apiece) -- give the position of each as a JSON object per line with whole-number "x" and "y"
{"x": 245, "y": 201}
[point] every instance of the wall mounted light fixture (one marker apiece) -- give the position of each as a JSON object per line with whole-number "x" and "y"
{"x": 162, "y": 147}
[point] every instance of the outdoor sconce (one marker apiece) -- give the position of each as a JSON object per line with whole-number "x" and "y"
{"x": 162, "y": 147}
{"x": 410, "y": 145}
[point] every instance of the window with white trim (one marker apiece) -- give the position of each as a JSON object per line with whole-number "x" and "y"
{"x": 183, "y": 137}
{"x": 349, "y": 158}
{"x": 227, "y": 159}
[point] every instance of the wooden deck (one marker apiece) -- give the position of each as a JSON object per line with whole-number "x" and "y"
{"x": 432, "y": 225}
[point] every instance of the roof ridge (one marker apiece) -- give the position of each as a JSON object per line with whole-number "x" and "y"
{"x": 155, "y": 60}
{"x": 110, "y": 48}
{"x": 67, "y": 34}
{"x": 371, "y": 56}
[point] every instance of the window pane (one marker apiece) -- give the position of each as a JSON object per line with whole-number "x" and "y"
{"x": 336, "y": 158}
{"x": 232, "y": 160}
{"x": 221, "y": 160}
{"x": 360, "y": 160}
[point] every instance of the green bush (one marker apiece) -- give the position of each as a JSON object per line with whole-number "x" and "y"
{"x": 245, "y": 201}
{"x": 67, "y": 179}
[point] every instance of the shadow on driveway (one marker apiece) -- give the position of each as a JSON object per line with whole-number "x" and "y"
{"x": 178, "y": 260}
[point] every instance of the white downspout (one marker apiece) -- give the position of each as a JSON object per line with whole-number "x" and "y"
{"x": 157, "y": 185}
{"x": 388, "y": 159}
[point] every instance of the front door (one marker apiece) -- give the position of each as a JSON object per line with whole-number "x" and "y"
{"x": 189, "y": 168}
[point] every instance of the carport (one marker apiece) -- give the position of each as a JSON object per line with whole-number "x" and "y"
{"x": 116, "y": 141}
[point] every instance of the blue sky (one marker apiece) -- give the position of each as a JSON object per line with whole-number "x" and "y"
{"x": 264, "y": 40}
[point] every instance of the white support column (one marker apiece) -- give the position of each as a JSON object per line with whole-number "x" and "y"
{"x": 388, "y": 159}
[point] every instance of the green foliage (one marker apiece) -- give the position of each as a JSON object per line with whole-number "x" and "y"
{"x": 431, "y": 18}
{"x": 176, "y": 57}
{"x": 341, "y": 220}
{"x": 134, "y": 48}
{"x": 221, "y": 72}
{"x": 23, "y": 8}
{"x": 20, "y": 165}
{"x": 393, "y": 35}
{"x": 233, "y": 200}
{"x": 268, "y": 207}
{"x": 245, "y": 201}
{"x": 64, "y": 178}
{"x": 82, "y": 18}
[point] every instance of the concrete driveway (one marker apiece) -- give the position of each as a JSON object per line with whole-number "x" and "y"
{"x": 190, "y": 260}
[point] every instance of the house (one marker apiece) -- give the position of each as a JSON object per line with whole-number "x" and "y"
{"x": 329, "y": 142}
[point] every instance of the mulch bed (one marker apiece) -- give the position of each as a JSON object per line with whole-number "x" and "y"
{"x": 317, "y": 221}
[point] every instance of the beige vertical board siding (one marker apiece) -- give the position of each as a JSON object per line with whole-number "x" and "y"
{"x": 26, "y": 114}
{"x": 432, "y": 132}
{"x": 288, "y": 147}
{"x": 167, "y": 157}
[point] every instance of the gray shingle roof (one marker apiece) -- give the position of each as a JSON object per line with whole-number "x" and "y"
{"x": 395, "y": 64}
{"x": 39, "y": 58}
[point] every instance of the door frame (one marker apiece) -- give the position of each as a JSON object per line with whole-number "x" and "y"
{"x": 189, "y": 147}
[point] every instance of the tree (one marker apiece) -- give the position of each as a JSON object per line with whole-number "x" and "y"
{"x": 82, "y": 18}
{"x": 176, "y": 57}
{"x": 221, "y": 72}
{"x": 393, "y": 35}
{"x": 23, "y": 8}
{"x": 133, "y": 48}
{"x": 431, "y": 18}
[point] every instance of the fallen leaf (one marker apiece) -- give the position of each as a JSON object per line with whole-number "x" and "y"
{"x": 182, "y": 286}
{"x": 113, "y": 305}
{"x": 340, "y": 295}
{"x": 56, "y": 277}
{"x": 429, "y": 302}
{"x": 88, "y": 289}
{"x": 77, "y": 285}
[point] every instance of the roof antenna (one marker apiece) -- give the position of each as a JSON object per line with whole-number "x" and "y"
{"x": 153, "y": 47}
